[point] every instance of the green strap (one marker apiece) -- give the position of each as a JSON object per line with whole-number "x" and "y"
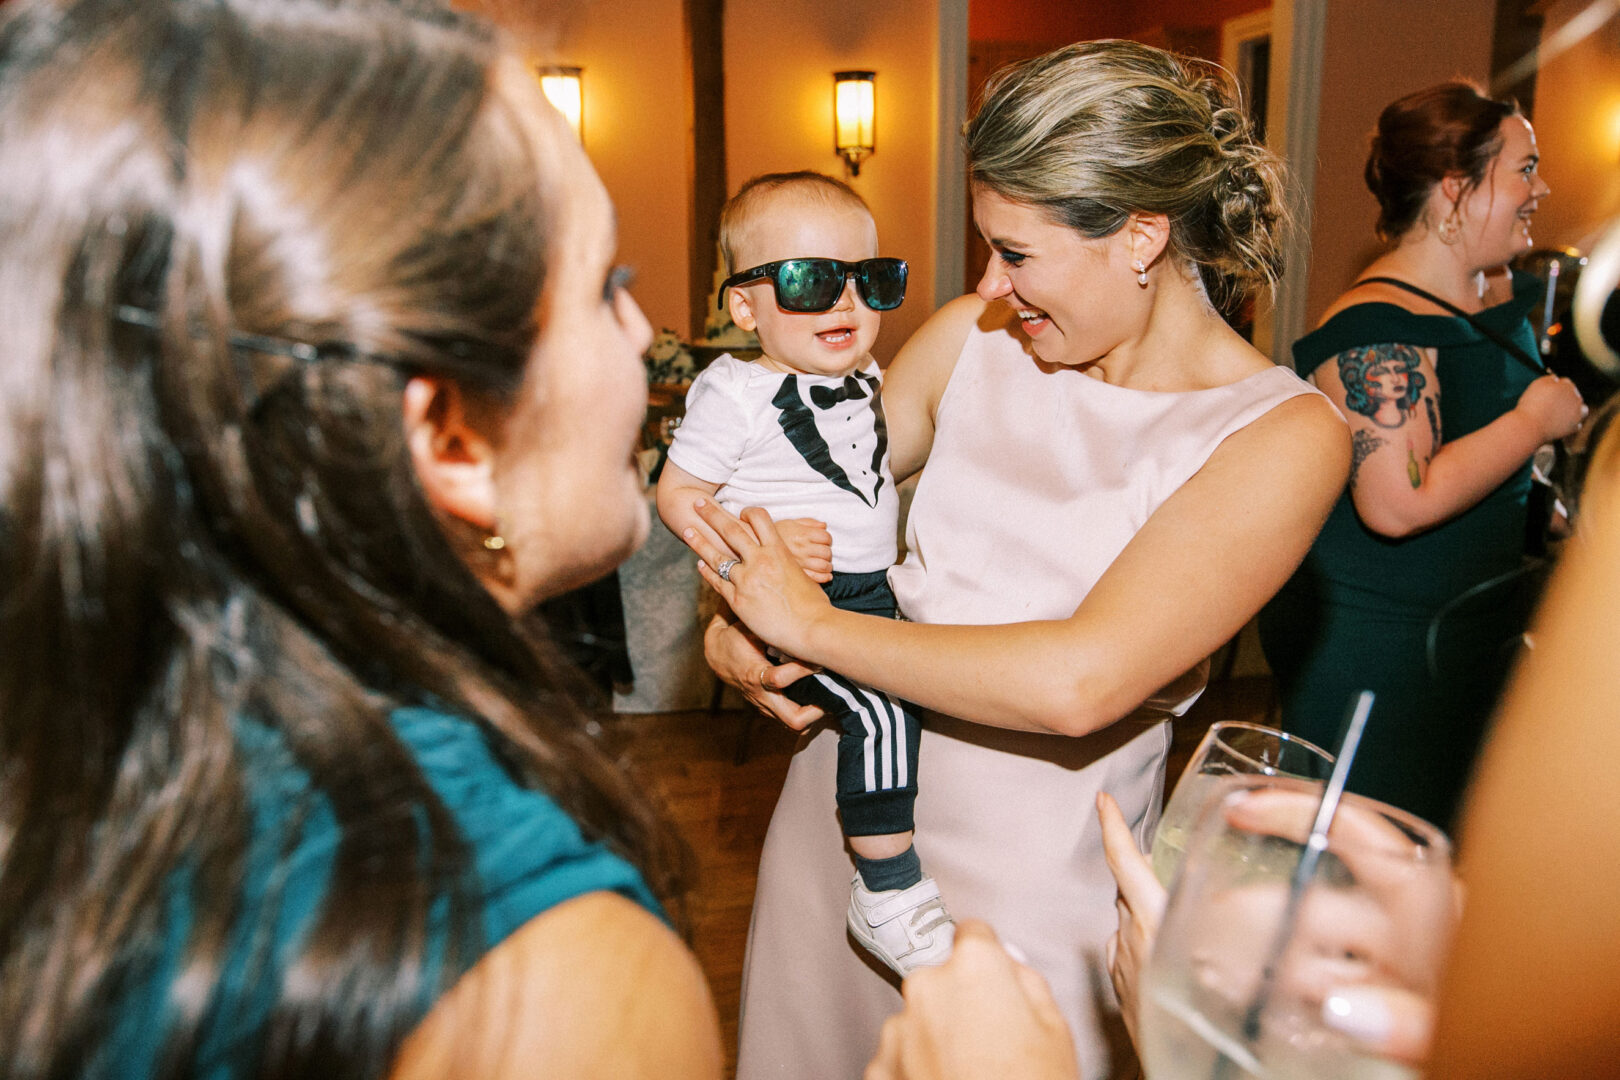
{"x": 1508, "y": 346}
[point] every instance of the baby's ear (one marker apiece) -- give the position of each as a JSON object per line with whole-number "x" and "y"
{"x": 742, "y": 312}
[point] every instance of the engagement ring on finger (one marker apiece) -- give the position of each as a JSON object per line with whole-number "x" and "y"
{"x": 724, "y": 569}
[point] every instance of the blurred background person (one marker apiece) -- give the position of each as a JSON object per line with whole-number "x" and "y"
{"x": 318, "y": 374}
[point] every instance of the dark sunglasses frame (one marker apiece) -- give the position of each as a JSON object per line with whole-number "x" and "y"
{"x": 862, "y": 272}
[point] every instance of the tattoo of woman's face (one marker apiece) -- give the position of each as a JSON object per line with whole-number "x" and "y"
{"x": 1382, "y": 382}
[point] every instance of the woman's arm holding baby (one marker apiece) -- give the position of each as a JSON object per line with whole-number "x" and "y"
{"x": 806, "y": 538}
{"x": 914, "y": 383}
{"x": 912, "y": 387}
{"x": 1200, "y": 568}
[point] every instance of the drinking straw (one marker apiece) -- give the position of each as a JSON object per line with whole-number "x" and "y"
{"x": 1315, "y": 845}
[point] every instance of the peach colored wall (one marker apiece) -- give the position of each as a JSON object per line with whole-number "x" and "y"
{"x": 638, "y": 103}
{"x": 1056, "y": 21}
{"x": 1374, "y": 52}
{"x": 780, "y": 59}
{"x": 1578, "y": 130}
{"x": 1201, "y": 13}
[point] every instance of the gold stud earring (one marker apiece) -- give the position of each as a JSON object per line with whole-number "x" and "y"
{"x": 494, "y": 542}
{"x": 1141, "y": 273}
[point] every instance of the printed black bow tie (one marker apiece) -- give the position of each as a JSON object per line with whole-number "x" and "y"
{"x": 825, "y": 397}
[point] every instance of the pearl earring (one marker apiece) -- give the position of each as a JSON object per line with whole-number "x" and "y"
{"x": 1141, "y": 273}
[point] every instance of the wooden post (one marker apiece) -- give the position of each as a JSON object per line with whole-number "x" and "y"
{"x": 705, "y": 49}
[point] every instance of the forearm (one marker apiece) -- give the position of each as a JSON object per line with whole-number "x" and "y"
{"x": 678, "y": 494}
{"x": 1459, "y": 477}
{"x": 1048, "y": 676}
{"x": 1202, "y": 565}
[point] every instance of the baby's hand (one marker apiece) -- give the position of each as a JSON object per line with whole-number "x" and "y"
{"x": 810, "y": 543}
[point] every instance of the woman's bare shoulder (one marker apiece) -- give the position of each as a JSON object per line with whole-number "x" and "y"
{"x": 1304, "y": 426}
{"x": 948, "y": 328}
{"x": 595, "y": 987}
{"x": 924, "y": 364}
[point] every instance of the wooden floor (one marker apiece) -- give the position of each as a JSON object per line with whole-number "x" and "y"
{"x": 722, "y": 808}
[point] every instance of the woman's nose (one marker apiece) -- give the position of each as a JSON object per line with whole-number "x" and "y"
{"x": 993, "y": 283}
{"x": 634, "y": 321}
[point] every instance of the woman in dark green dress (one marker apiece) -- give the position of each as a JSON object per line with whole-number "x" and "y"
{"x": 1431, "y": 360}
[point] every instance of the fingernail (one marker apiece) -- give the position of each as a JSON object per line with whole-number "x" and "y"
{"x": 1362, "y": 1014}
{"x": 1016, "y": 953}
{"x": 700, "y": 502}
{"x": 688, "y": 533}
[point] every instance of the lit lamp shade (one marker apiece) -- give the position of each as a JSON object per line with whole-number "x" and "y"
{"x": 854, "y": 117}
{"x": 564, "y": 88}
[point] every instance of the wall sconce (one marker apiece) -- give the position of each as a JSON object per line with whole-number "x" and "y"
{"x": 564, "y": 87}
{"x": 854, "y": 117}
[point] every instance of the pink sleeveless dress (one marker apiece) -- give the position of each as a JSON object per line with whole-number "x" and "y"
{"x": 1038, "y": 478}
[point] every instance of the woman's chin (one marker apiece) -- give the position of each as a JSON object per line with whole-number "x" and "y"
{"x": 632, "y": 527}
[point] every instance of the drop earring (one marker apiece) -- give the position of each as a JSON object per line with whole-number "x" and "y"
{"x": 1450, "y": 229}
{"x": 1141, "y": 273}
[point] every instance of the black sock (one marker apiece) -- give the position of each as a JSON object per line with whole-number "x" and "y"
{"x": 881, "y": 875}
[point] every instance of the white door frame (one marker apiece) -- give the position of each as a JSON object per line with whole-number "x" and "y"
{"x": 1299, "y": 29}
{"x": 950, "y": 162}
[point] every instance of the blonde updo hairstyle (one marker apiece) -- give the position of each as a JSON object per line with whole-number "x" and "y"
{"x": 1097, "y": 130}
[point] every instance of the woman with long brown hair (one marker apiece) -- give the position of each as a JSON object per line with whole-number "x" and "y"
{"x": 317, "y": 376}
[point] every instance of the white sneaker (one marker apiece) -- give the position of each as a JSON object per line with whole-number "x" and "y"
{"x": 905, "y": 928}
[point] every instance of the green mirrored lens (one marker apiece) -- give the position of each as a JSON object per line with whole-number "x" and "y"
{"x": 882, "y": 283}
{"x": 808, "y": 284}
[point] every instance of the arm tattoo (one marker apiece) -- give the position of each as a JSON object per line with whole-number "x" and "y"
{"x": 1362, "y": 444}
{"x": 1382, "y": 382}
{"x": 1434, "y": 422}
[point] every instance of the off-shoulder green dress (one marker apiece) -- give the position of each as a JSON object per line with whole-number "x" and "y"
{"x": 1429, "y": 622}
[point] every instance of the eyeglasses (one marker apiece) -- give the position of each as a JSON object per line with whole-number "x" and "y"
{"x": 811, "y": 285}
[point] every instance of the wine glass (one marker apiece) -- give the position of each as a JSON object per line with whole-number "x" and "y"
{"x": 1229, "y": 751}
{"x": 1249, "y": 951}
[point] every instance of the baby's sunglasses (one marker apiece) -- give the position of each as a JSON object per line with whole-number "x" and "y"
{"x": 812, "y": 285}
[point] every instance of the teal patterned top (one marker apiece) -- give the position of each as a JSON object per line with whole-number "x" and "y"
{"x": 527, "y": 856}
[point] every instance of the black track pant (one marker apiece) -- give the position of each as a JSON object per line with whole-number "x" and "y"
{"x": 877, "y": 750}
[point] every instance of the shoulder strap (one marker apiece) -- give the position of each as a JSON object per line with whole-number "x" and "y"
{"x": 1507, "y": 345}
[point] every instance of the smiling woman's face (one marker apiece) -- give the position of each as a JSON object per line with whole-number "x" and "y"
{"x": 1497, "y": 213}
{"x": 1076, "y": 297}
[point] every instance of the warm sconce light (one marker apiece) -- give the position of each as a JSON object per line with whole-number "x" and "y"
{"x": 854, "y": 117}
{"x": 565, "y": 89}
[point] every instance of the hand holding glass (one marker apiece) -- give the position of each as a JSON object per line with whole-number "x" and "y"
{"x": 1229, "y": 752}
{"x": 1377, "y": 913}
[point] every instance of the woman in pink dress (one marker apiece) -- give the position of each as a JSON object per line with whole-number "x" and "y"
{"x": 1116, "y": 482}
